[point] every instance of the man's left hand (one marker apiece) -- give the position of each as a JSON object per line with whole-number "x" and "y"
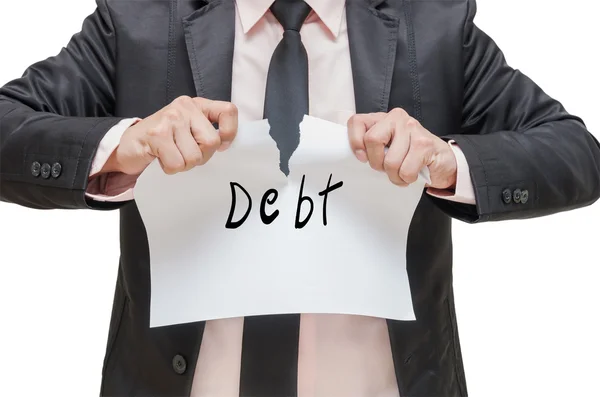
{"x": 398, "y": 144}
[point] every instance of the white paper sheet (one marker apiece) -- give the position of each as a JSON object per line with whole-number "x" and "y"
{"x": 356, "y": 264}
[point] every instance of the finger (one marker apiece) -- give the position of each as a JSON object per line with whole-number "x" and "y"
{"x": 358, "y": 125}
{"x": 198, "y": 130}
{"x": 223, "y": 113}
{"x": 395, "y": 157}
{"x": 414, "y": 161}
{"x": 419, "y": 155}
{"x": 163, "y": 147}
{"x": 186, "y": 144}
{"x": 376, "y": 139}
{"x": 205, "y": 135}
{"x": 419, "y": 152}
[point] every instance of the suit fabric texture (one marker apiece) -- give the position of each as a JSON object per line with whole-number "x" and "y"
{"x": 132, "y": 58}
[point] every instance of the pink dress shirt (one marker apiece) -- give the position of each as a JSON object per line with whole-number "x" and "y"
{"x": 339, "y": 355}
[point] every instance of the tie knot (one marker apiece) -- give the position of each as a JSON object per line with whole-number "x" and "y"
{"x": 290, "y": 13}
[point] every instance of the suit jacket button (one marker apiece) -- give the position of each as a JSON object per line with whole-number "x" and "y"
{"x": 45, "y": 171}
{"x": 56, "y": 170}
{"x": 517, "y": 196}
{"x": 506, "y": 196}
{"x": 35, "y": 169}
{"x": 179, "y": 364}
{"x": 524, "y": 196}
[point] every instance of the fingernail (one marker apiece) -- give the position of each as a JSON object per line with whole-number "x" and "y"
{"x": 361, "y": 155}
{"x": 224, "y": 146}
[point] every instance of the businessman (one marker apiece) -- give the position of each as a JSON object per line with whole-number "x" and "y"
{"x": 418, "y": 84}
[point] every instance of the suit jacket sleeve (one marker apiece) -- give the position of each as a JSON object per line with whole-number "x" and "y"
{"x": 56, "y": 114}
{"x": 514, "y": 136}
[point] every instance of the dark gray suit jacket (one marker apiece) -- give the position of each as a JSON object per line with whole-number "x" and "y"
{"x": 133, "y": 57}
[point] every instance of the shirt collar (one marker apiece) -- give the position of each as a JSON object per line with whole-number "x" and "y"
{"x": 329, "y": 11}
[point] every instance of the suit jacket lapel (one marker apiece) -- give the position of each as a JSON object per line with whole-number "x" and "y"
{"x": 209, "y": 35}
{"x": 373, "y": 38}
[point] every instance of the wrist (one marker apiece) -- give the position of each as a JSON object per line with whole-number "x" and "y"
{"x": 110, "y": 148}
{"x": 446, "y": 169}
{"x": 115, "y": 161}
{"x": 112, "y": 164}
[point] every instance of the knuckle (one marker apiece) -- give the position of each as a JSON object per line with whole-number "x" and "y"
{"x": 412, "y": 123}
{"x": 200, "y": 100}
{"x": 408, "y": 175}
{"x": 227, "y": 135}
{"x": 178, "y": 165}
{"x": 395, "y": 181}
{"x": 391, "y": 163}
{"x": 169, "y": 169}
{"x": 172, "y": 114}
{"x": 408, "y": 178}
{"x": 182, "y": 100}
{"x": 354, "y": 121}
{"x": 171, "y": 165}
{"x": 394, "y": 178}
{"x": 230, "y": 109}
{"x": 421, "y": 142}
{"x": 212, "y": 140}
{"x": 399, "y": 112}
{"x": 376, "y": 164}
{"x": 157, "y": 132}
{"x": 194, "y": 158}
{"x": 371, "y": 138}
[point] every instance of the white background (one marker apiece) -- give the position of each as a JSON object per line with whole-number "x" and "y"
{"x": 527, "y": 292}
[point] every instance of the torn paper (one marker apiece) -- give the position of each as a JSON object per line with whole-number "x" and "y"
{"x": 236, "y": 237}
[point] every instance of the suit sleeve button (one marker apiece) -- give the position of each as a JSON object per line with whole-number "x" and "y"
{"x": 524, "y": 196}
{"x": 56, "y": 170}
{"x": 517, "y": 196}
{"x": 179, "y": 364}
{"x": 45, "y": 171}
{"x": 35, "y": 169}
{"x": 506, "y": 196}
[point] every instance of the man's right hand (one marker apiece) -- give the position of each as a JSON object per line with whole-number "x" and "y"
{"x": 181, "y": 136}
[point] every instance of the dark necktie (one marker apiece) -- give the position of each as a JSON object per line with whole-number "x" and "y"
{"x": 270, "y": 343}
{"x": 286, "y": 98}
